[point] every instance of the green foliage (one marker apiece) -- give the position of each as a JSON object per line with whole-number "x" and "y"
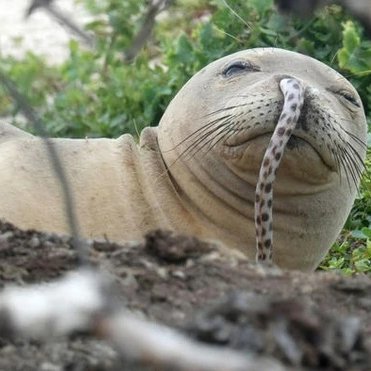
{"x": 355, "y": 55}
{"x": 351, "y": 253}
{"x": 34, "y": 78}
{"x": 95, "y": 93}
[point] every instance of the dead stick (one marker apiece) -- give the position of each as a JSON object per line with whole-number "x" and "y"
{"x": 55, "y": 12}
{"x": 155, "y": 7}
{"x": 35, "y": 121}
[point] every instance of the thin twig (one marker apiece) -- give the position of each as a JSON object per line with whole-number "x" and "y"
{"x": 53, "y": 10}
{"x": 237, "y": 15}
{"x": 155, "y": 7}
{"x": 56, "y": 163}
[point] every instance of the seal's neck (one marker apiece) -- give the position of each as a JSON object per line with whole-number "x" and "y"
{"x": 222, "y": 213}
{"x": 188, "y": 201}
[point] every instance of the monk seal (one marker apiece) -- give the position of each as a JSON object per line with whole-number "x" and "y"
{"x": 197, "y": 171}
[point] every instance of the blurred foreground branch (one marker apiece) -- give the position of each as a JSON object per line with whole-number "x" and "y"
{"x": 56, "y": 163}
{"x": 84, "y": 301}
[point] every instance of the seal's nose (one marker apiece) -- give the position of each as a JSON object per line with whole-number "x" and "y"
{"x": 311, "y": 92}
{"x": 282, "y": 76}
{"x": 278, "y": 78}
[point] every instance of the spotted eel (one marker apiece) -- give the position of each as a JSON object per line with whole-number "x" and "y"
{"x": 293, "y": 102}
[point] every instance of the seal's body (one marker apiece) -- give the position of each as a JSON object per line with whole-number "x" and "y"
{"x": 197, "y": 172}
{"x": 119, "y": 188}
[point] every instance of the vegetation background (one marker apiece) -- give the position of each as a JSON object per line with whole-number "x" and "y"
{"x": 98, "y": 92}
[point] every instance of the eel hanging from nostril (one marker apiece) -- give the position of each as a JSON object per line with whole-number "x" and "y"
{"x": 293, "y": 93}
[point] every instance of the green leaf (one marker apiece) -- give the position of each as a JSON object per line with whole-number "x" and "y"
{"x": 262, "y": 6}
{"x": 366, "y": 232}
{"x": 359, "y": 234}
{"x": 351, "y": 39}
{"x": 184, "y": 50}
{"x": 363, "y": 265}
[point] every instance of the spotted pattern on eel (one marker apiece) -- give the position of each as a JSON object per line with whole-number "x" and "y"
{"x": 293, "y": 102}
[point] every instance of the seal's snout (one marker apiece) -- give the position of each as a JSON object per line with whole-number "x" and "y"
{"x": 281, "y": 77}
{"x": 291, "y": 78}
{"x": 312, "y": 117}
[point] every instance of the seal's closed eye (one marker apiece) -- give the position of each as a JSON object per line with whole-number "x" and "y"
{"x": 237, "y": 67}
{"x": 344, "y": 95}
{"x": 349, "y": 97}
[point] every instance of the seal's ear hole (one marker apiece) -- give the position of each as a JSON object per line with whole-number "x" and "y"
{"x": 237, "y": 67}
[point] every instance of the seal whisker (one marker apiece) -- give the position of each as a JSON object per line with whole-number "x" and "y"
{"x": 358, "y": 161}
{"x": 199, "y": 144}
{"x": 338, "y": 163}
{"x": 202, "y": 136}
{"x": 352, "y": 161}
{"x": 208, "y": 127}
{"x": 348, "y": 164}
{"x": 361, "y": 142}
{"x": 228, "y": 108}
{"x": 206, "y": 130}
{"x": 343, "y": 165}
{"x": 351, "y": 166}
{"x": 355, "y": 138}
{"x": 225, "y": 109}
{"x": 228, "y": 131}
{"x": 232, "y": 130}
{"x": 209, "y": 143}
{"x": 202, "y": 132}
{"x": 235, "y": 105}
{"x": 358, "y": 167}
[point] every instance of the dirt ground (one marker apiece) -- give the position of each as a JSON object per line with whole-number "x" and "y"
{"x": 319, "y": 321}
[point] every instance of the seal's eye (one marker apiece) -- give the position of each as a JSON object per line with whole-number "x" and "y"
{"x": 237, "y": 67}
{"x": 349, "y": 97}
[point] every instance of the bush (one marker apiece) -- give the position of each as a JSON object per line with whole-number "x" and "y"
{"x": 94, "y": 93}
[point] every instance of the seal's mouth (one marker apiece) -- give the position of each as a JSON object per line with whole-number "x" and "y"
{"x": 297, "y": 141}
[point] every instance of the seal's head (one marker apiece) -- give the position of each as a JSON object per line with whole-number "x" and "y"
{"x": 214, "y": 134}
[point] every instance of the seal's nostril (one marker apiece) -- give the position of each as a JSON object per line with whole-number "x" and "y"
{"x": 311, "y": 92}
{"x": 280, "y": 77}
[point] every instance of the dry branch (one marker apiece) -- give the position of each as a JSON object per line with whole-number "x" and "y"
{"x": 81, "y": 301}
{"x": 55, "y": 161}
{"x": 50, "y": 7}
{"x": 154, "y": 8}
